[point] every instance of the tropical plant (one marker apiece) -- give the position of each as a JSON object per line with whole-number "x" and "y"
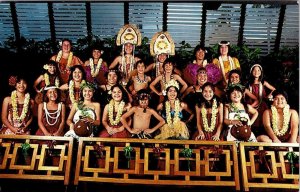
{"x": 25, "y": 148}
{"x": 187, "y": 153}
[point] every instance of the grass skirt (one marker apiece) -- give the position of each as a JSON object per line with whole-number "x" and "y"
{"x": 179, "y": 130}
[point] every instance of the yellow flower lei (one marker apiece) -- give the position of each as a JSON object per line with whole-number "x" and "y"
{"x": 14, "y": 104}
{"x": 70, "y": 57}
{"x": 94, "y": 72}
{"x": 286, "y": 120}
{"x": 111, "y": 112}
{"x": 176, "y": 114}
{"x": 71, "y": 90}
{"x": 47, "y": 81}
{"x": 213, "y": 117}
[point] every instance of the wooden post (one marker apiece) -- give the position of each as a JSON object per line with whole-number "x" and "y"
{"x": 52, "y": 24}
{"x": 242, "y": 24}
{"x": 203, "y": 24}
{"x": 14, "y": 17}
{"x": 279, "y": 28}
{"x": 88, "y": 21}
{"x": 126, "y": 13}
{"x": 165, "y": 16}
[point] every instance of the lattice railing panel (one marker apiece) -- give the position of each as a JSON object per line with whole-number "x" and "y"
{"x": 157, "y": 162}
{"x": 48, "y": 158}
{"x": 269, "y": 165}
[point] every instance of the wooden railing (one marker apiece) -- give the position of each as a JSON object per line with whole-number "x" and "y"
{"x": 270, "y": 165}
{"x": 36, "y": 157}
{"x": 157, "y": 162}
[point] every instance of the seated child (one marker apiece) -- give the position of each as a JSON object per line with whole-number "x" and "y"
{"x": 141, "y": 117}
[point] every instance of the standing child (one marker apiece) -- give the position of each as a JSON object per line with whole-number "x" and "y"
{"x": 165, "y": 78}
{"x": 236, "y": 115}
{"x": 50, "y": 77}
{"x": 96, "y": 67}
{"x": 172, "y": 112}
{"x": 209, "y": 114}
{"x": 129, "y": 36}
{"x": 141, "y": 117}
{"x": 258, "y": 86}
{"x": 139, "y": 81}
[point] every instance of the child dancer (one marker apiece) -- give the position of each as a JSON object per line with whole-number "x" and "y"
{"x": 236, "y": 112}
{"x": 113, "y": 112}
{"x": 209, "y": 114}
{"x": 172, "y": 113}
{"x": 141, "y": 117}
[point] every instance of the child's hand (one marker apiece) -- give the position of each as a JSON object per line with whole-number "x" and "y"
{"x": 216, "y": 137}
{"x": 200, "y": 136}
{"x": 148, "y": 131}
{"x": 88, "y": 120}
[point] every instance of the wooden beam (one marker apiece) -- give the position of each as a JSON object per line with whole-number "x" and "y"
{"x": 242, "y": 24}
{"x": 279, "y": 27}
{"x": 203, "y": 24}
{"x": 14, "y": 17}
{"x": 126, "y": 13}
{"x": 165, "y": 16}
{"x": 52, "y": 24}
{"x": 88, "y": 20}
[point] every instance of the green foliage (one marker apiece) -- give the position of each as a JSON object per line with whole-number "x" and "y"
{"x": 25, "y": 148}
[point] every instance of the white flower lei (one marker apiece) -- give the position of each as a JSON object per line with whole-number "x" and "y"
{"x": 94, "y": 72}
{"x": 111, "y": 112}
{"x": 71, "y": 90}
{"x": 176, "y": 114}
{"x": 47, "y": 81}
{"x": 213, "y": 117}
{"x": 70, "y": 57}
{"x": 286, "y": 120}
{"x": 14, "y": 104}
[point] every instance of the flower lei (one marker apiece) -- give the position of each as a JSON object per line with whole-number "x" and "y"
{"x": 176, "y": 114}
{"x": 213, "y": 117}
{"x": 71, "y": 90}
{"x": 47, "y": 81}
{"x": 14, "y": 103}
{"x": 111, "y": 112}
{"x": 286, "y": 120}
{"x": 70, "y": 57}
{"x": 94, "y": 72}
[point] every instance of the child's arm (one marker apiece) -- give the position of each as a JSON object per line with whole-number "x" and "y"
{"x": 40, "y": 122}
{"x": 216, "y": 137}
{"x": 152, "y": 85}
{"x": 70, "y": 122}
{"x": 253, "y": 97}
{"x": 182, "y": 82}
{"x": 64, "y": 87}
{"x": 199, "y": 126}
{"x": 149, "y": 67}
{"x": 270, "y": 87}
{"x": 160, "y": 124}
{"x": 62, "y": 123}
{"x": 254, "y": 113}
{"x": 37, "y": 82}
{"x": 294, "y": 126}
{"x": 187, "y": 109}
{"x": 124, "y": 121}
{"x": 187, "y": 91}
{"x": 115, "y": 62}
